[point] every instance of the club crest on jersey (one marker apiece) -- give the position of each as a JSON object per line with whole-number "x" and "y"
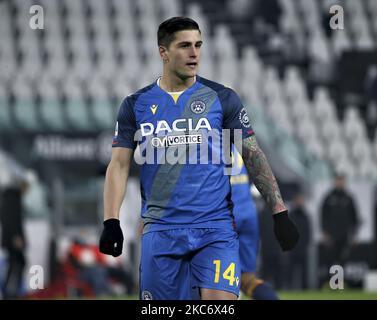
{"x": 198, "y": 107}
{"x": 146, "y": 295}
{"x": 244, "y": 118}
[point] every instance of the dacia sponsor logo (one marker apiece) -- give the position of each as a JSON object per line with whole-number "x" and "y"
{"x": 178, "y": 125}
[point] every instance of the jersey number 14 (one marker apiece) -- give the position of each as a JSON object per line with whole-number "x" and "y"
{"x": 228, "y": 274}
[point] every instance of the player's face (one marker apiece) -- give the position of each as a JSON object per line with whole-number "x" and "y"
{"x": 183, "y": 53}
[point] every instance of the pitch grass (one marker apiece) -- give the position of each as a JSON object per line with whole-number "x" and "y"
{"x": 346, "y": 294}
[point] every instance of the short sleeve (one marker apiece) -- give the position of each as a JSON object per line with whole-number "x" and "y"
{"x": 235, "y": 114}
{"x": 125, "y": 127}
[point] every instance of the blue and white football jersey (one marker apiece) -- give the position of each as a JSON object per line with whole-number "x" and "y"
{"x": 186, "y": 193}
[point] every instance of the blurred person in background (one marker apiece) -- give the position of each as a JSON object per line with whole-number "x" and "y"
{"x": 339, "y": 221}
{"x": 298, "y": 257}
{"x": 371, "y": 84}
{"x": 272, "y": 259}
{"x": 13, "y": 238}
{"x": 100, "y": 272}
{"x": 246, "y": 218}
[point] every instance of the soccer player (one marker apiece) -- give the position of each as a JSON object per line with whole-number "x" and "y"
{"x": 246, "y": 218}
{"x": 189, "y": 243}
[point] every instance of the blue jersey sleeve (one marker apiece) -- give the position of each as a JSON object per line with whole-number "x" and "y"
{"x": 235, "y": 114}
{"x": 126, "y": 125}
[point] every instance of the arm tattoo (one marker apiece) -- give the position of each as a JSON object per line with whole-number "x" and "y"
{"x": 261, "y": 175}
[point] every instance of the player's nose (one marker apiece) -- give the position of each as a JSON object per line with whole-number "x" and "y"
{"x": 194, "y": 52}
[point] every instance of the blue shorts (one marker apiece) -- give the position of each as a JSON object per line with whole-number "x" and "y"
{"x": 248, "y": 232}
{"x": 176, "y": 263}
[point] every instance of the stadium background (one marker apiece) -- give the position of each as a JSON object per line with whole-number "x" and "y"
{"x": 311, "y": 93}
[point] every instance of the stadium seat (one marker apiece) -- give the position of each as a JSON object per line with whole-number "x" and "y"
{"x": 81, "y": 68}
{"x": 279, "y": 113}
{"x": 8, "y": 64}
{"x": 306, "y": 129}
{"x": 25, "y": 110}
{"x": 374, "y": 145}
{"x": 101, "y": 109}
{"x": 5, "y": 115}
{"x": 146, "y": 7}
{"x": 300, "y": 109}
{"x": 195, "y": 12}
{"x": 252, "y": 96}
{"x": 353, "y": 7}
{"x": 337, "y": 150}
{"x": 323, "y": 106}
{"x": 293, "y": 85}
{"x": 359, "y": 25}
{"x": 121, "y": 88}
{"x": 227, "y": 72}
{"x": 124, "y": 18}
{"x": 223, "y": 43}
{"x": 51, "y": 110}
{"x": 315, "y": 146}
{"x": 5, "y": 25}
{"x": 318, "y": 47}
{"x": 148, "y": 26}
{"x": 74, "y": 7}
{"x": 353, "y": 125}
{"x": 290, "y": 23}
{"x": 76, "y": 109}
{"x": 206, "y": 67}
{"x": 366, "y": 169}
{"x": 310, "y": 10}
{"x": 361, "y": 150}
{"x": 170, "y": 8}
{"x": 329, "y": 129}
{"x": 340, "y": 43}
{"x": 51, "y": 6}
{"x": 272, "y": 91}
{"x": 251, "y": 67}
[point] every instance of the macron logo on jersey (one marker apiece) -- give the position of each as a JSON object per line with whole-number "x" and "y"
{"x": 154, "y": 108}
{"x": 178, "y": 125}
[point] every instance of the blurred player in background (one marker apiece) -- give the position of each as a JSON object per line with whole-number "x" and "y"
{"x": 246, "y": 217}
{"x": 13, "y": 238}
{"x": 340, "y": 221}
{"x": 189, "y": 241}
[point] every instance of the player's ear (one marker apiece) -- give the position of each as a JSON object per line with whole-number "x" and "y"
{"x": 163, "y": 53}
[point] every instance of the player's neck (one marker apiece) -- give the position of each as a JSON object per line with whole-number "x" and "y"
{"x": 172, "y": 83}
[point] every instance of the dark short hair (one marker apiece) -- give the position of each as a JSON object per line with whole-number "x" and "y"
{"x": 339, "y": 175}
{"x": 166, "y": 30}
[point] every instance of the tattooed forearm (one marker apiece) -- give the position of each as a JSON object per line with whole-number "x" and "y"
{"x": 261, "y": 174}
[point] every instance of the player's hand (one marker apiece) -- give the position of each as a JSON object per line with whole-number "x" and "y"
{"x": 111, "y": 241}
{"x": 285, "y": 231}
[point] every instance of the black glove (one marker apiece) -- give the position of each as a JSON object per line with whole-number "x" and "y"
{"x": 285, "y": 230}
{"x": 111, "y": 241}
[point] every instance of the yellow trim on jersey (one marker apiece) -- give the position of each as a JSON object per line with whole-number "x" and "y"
{"x": 175, "y": 96}
{"x": 239, "y": 179}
